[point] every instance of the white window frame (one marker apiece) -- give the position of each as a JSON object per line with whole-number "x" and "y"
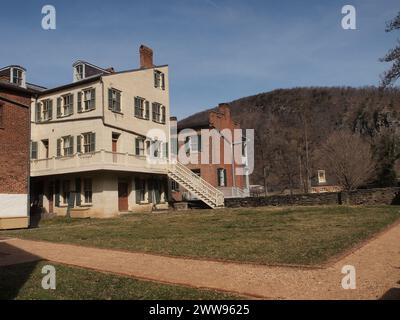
{"x": 87, "y": 103}
{"x": 321, "y": 180}
{"x": 79, "y": 75}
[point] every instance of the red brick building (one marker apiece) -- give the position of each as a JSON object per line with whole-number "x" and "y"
{"x": 15, "y": 101}
{"x": 222, "y": 174}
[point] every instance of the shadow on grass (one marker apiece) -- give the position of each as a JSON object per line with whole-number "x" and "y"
{"x": 16, "y": 268}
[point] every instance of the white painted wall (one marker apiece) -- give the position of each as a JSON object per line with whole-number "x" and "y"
{"x": 13, "y": 205}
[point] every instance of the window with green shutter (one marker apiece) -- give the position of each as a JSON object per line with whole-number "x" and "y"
{"x": 34, "y": 150}
{"x": 38, "y": 112}
{"x": 79, "y": 101}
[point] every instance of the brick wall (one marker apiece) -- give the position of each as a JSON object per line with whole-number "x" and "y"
{"x": 14, "y": 144}
{"x": 382, "y": 196}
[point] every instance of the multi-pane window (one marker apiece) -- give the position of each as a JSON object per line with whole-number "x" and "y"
{"x": 158, "y": 112}
{"x": 140, "y": 186}
{"x": 139, "y": 147}
{"x": 65, "y": 146}
{"x": 68, "y": 104}
{"x": 17, "y": 76}
{"x": 47, "y": 112}
{"x": 86, "y": 143}
{"x": 79, "y": 72}
{"x": 44, "y": 110}
{"x": 114, "y": 100}
{"x": 87, "y": 191}
{"x": 194, "y": 143}
{"x": 142, "y": 108}
{"x": 65, "y": 105}
{"x": 34, "y": 150}
{"x": 89, "y": 144}
{"x": 159, "y": 79}
{"x": 66, "y": 191}
{"x": 89, "y": 100}
{"x": 221, "y": 176}
{"x": 174, "y": 186}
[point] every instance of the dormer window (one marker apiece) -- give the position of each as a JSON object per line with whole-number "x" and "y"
{"x": 17, "y": 76}
{"x": 79, "y": 72}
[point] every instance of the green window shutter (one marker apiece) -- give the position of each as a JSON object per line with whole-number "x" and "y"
{"x": 150, "y": 188}
{"x": 38, "y": 112}
{"x": 78, "y": 192}
{"x": 79, "y": 144}
{"x": 225, "y": 182}
{"x": 147, "y": 115}
{"x": 71, "y": 106}
{"x": 34, "y": 151}
{"x": 155, "y": 79}
{"x": 199, "y": 142}
{"x": 137, "y": 190}
{"x": 118, "y": 101}
{"x": 71, "y": 141}
{"x": 57, "y": 193}
{"x": 136, "y": 101}
{"x": 163, "y": 111}
{"x": 58, "y": 107}
{"x": 163, "y": 81}
{"x": 137, "y": 151}
{"x": 79, "y": 101}
{"x": 58, "y": 147}
{"x": 93, "y": 99}
{"x": 92, "y": 142}
{"x": 157, "y": 191}
{"x": 110, "y": 101}
{"x": 153, "y": 109}
{"x": 50, "y": 109}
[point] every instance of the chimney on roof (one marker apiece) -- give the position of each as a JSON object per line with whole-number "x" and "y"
{"x": 146, "y": 57}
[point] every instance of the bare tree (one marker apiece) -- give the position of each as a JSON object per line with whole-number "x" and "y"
{"x": 349, "y": 158}
{"x": 390, "y": 76}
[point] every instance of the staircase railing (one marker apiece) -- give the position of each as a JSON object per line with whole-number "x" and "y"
{"x": 194, "y": 183}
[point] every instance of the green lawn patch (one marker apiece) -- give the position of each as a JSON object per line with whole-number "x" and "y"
{"x": 23, "y": 282}
{"x": 295, "y": 235}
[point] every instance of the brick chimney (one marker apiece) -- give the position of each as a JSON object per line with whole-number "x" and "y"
{"x": 146, "y": 57}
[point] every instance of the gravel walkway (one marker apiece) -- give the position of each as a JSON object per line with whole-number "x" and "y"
{"x": 377, "y": 266}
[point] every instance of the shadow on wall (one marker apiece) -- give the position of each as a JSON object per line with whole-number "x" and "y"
{"x": 16, "y": 267}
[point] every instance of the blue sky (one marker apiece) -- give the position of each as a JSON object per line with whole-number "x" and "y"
{"x": 217, "y": 50}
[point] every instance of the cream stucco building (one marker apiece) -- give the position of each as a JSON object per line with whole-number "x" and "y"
{"x": 100, "y": 144}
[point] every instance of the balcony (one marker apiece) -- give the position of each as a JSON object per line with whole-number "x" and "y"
{"x": 99, "y": 160}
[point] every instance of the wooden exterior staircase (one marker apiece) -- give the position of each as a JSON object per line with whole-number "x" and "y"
{"x": 196, "y": 185}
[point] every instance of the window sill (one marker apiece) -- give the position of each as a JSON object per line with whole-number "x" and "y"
{"x": 86, "y": 111}
{"x": 159, "y": 122}
{"x": 116, "y": 111}
{"x": 62, "y": 117}
{"x": 142, "y": 118}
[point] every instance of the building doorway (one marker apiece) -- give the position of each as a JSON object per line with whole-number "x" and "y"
{"x": 122, "y": 196}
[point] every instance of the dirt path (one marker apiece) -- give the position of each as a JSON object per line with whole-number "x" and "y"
{"x": 377, "y": 268}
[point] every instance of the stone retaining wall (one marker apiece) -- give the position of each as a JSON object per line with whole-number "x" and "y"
{"x": 382, "y": 196}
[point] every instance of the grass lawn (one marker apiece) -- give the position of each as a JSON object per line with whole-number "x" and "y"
{"x": 23, "y": 281}
{"x": 295, "y": 235}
